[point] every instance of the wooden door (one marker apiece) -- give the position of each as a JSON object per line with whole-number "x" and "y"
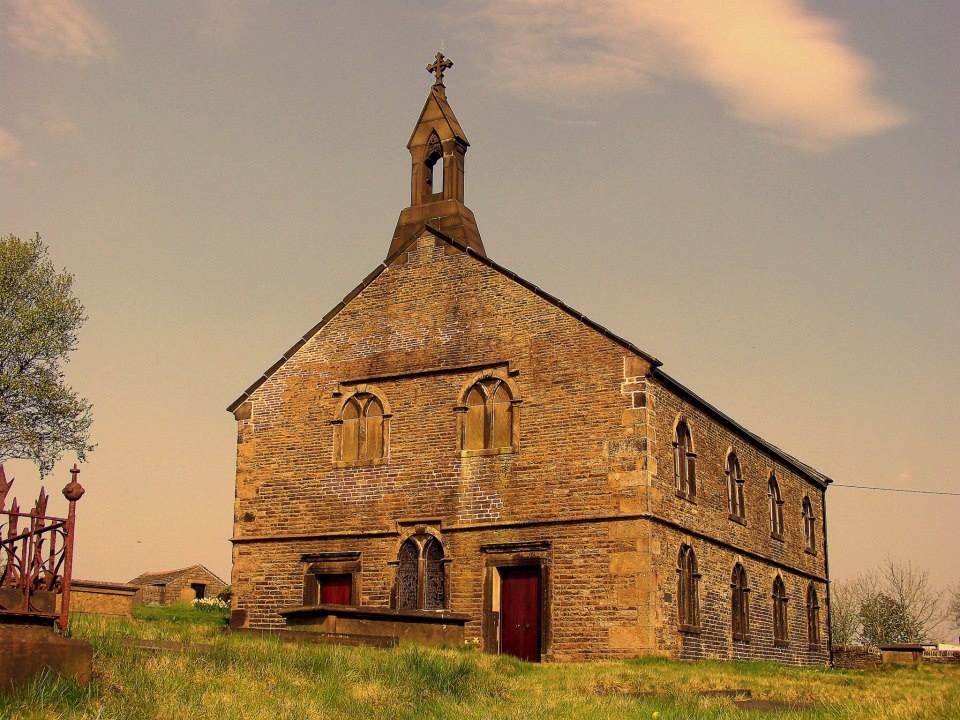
{"x": 520, "y": 612}
{"x": 336, "y": 589}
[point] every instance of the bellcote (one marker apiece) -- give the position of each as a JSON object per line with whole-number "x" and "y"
{"x": 437, "y": 148}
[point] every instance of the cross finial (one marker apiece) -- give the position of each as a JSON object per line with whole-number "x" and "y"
{"x": 439, "y": 64}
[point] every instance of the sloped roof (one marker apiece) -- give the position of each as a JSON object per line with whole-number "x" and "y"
{"x": 804, "y": 469}
{"x": 438, "y": 97}
{"x": 167, "y": 576}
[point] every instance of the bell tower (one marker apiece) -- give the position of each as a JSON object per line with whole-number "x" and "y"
{"x": 437, "y": 149}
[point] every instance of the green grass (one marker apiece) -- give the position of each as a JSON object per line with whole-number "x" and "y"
{"x": 236, "y": 676}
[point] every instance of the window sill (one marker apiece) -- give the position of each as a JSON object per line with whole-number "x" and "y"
{"x": 775, "y": 536}
{"x": 688, "y": 498}
{"x": 360, "y": 463}
{"x": 737, "y": 519}
{"x": 741, "y": 638}
{"x": 485, "y": 452}
{"x": 781, "y": 643}
{"x": 689, "y": 629}
{"x": 813, "y": 647}
{"x": 808, "y": 551}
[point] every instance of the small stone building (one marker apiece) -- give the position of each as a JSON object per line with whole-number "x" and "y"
{"x": 173, "y": 586}
{"x": 452, "y": 439}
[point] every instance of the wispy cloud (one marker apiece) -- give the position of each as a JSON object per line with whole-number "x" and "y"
{"x": 224, "y": 22}
{"x": 773, "y": 63}
{"x": 55, "y": 29}
{"x": 9, "y": 146}
{"x": 60, "y": 127}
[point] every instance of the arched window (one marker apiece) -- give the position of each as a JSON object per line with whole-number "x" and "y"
{"x": 739, "y": 603}
{"x": 421, "y": 575}
{"x": 433, "y": 166}
{"x": 688, "y": 603}
{"x": 362, "y": 428}
{"x": 776, "y": 508}
{"x": 408, "y": 572}
{"x": 813, "y": 617}
{"x": 735, "y": 505}
{"x": 809, "y": 526}
{"x": 779, "y": 612}
{"x": 489, "y": 416}
{"x": 684, "y": 462}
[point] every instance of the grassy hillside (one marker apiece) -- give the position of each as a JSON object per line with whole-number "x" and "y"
{"x": 223, "y": 676}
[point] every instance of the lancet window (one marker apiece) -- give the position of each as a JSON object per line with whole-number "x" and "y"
{"x": 489, "y": 416}
{"x": 779, "y": 612}
{"x": 421, "y": 574}
{"x": 739, "y": 603}
{"x": 688, "y": 581}
{"x": 735, "y": 504}
{"x": 776, "y": 508}
{"x": 684, "y": 462}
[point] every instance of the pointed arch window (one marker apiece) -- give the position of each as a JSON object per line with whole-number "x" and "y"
{"x": 739, "y": 604}
{"x": 809, "y": 527}
{"x": 779, "y": 612}
{"x": 489, "y": 418}
{"x": 688, "y": 581}
{"x": 362, "y": 430}
{"x": 776, "y": 508}
{"x": 433, "y": 165}
{"x": 735, "y": 504}
{"x": 421, "y": 574}
{"x": 684, "y": 462}
{"x": 813, "y": 617}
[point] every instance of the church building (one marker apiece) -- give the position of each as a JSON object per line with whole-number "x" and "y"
{"x": 452, "y": 447}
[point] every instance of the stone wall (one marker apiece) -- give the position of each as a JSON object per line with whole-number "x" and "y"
{"x": 102, "y": 598}
{"x": 856, "y": 657}
{"x": 594, "y": 427}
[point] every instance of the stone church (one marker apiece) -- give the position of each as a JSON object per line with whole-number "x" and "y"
{"x": 452, "y": 454}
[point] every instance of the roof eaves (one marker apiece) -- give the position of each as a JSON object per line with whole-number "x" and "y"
{"x": 306, "y": 337}
{"x": 806, "y": 470}
{"x": 556, "y": 302}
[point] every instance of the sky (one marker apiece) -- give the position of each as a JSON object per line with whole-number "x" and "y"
{"x": 763, "y": 194}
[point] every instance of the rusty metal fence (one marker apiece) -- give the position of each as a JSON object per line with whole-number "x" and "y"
{"x": 36, "y": 557}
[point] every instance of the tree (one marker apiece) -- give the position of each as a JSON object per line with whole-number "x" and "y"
{"x": 916, "y": 601}
{"x": 41, "y": 416}
{"x": 953, "y": 605}
{"x": 884, "y": 621}
{"x": 845, "y": 602}
{"x": 892, "y": 604}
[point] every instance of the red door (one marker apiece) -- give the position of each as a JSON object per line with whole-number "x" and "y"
{"x": 335, "y": 589}
{"x": 520, "y": 612}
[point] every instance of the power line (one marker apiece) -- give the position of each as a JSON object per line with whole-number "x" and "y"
{"x": 904, "y": 490}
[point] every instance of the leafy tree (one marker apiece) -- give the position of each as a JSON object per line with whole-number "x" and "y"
{"x": 884, "y": 621}
{"x": 41, "y": 416}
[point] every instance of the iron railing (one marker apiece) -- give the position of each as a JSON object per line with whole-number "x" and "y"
{"x": 36, "y": 557}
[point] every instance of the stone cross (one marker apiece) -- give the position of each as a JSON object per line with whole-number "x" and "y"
{"x": 438, "y": 66}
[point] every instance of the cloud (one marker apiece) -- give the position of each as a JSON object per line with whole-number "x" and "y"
{"x": 9, "y": 146}
{"x": 773, "y": 63}
{"x": 60, "y": 128}
{"x": 224, "y": 22}
{"x": 55, "y": 29}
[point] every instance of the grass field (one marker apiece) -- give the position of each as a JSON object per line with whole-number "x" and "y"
{"x": 225, "y": 676}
